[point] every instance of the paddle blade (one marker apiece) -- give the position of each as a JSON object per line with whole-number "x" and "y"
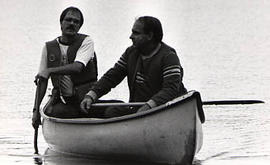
{"x": 35, "y": 141}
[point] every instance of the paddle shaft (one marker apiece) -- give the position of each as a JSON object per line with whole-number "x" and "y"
{"x": 36, "y": 107}
{"x": 217, "y": 102}
{"x": 226, "y": 102}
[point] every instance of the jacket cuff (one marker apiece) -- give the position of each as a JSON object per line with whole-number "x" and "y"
{"x": 92, "y": 94}
{"x": 151, "y": 103}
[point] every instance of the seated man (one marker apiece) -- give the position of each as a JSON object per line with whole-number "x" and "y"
{"x": 70, "y": 62}
{"x": 152, "y": 68}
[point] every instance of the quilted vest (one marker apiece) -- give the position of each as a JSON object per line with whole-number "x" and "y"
{"x": 89, "y": 72}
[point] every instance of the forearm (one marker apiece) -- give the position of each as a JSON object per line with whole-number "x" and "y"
{"x": 171, "y": 89}
{"x": 109, "y": 80}
{"x": 40, "y": 93}
{"x": 43, "y": 89}
{"x": 72, "y": 68}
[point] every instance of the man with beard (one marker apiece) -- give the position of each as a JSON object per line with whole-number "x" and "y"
{"x": 153, "y": 71}
{"x": 70, "y": 62}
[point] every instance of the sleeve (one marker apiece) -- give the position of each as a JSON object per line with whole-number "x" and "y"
{"x": 112, "y": 77}
{"x": 43, "y": 61}
{"x": 86, "y": 51}
{"x": 172, "y": 85}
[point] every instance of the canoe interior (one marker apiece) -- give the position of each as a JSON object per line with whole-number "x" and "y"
{"x": 175, "y": 102}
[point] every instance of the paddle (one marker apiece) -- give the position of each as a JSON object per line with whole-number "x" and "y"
{"x": 35, "y": 141}
{"x": 224, "y": 102}
{"x": 216, "y": 102}
{"x": 36, "y": 108}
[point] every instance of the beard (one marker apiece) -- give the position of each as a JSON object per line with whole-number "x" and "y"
{"x": 69, "y": 31}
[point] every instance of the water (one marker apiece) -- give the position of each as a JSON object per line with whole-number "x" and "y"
{"x": 223, "y": 46}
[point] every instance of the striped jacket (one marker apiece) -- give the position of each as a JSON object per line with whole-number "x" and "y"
{"x": 158, "y": 78}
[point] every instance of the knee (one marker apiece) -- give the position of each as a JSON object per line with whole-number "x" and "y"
{"x": 57, "y": 110}
{"x": 49, "y": 111}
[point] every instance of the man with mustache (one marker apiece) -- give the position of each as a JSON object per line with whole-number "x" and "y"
{"x": 70, "y": 62}
{"x": 152, "y": 68}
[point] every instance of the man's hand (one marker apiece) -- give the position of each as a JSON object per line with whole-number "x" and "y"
{"x": 86, "y": 103}
{"x": 145, "y": 107}
{"x": 36, "y": 119}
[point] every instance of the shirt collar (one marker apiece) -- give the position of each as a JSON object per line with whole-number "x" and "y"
{"x": 153, "y": 52}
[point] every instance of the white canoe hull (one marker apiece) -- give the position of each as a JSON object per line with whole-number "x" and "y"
{"x": 170, "y": 133}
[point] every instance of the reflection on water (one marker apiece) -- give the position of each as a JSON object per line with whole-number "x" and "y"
{"x": 38, "y": 159}
{"x": 53, "y": 158}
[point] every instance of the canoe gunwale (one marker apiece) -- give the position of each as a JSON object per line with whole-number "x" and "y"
{"x": 154, "y": 110}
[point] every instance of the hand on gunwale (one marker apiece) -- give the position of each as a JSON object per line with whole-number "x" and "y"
{"x": 86, "y": 104}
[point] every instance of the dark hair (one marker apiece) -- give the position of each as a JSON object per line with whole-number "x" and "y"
{"x": 74, "y": 9}
{"x": 152, "y": 24}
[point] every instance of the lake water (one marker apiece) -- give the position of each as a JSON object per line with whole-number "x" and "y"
{"x": 223, "y": 46}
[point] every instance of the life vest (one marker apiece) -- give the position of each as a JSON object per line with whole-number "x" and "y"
{"x": 89, "y": 72}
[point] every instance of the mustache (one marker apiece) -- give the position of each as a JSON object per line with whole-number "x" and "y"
{"x": 70, "y": 27}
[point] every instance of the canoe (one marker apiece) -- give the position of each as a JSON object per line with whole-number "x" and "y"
{"x": 170, "y": 133}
